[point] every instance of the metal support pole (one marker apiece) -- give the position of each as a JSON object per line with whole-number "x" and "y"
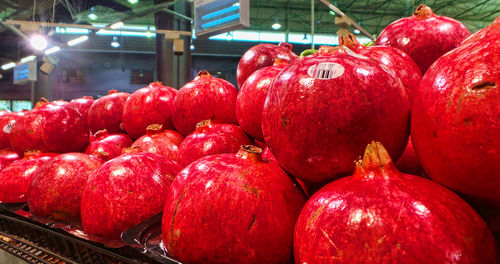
{"x": 342, "y": 14}
{"x": 312, "y": 24}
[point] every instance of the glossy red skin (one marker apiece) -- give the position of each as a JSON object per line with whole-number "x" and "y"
{"x": 317, "y": 128}
{"x": 231, "y": 208}
{"x": 260, "y": 56}
{"x": 251, "y": 98}
{"x": 455, "y": 122}
{"x": 126, "y": 191}
{"x": 165, "y": 143}
{"x": 51, "y": 128}
{"x": 56, "y": 188}
{"x": 212, "y": 139}
{"x": 109, "y": 143}
{"x": 423, "y": 39}
{"x": 16, "y": 178}
{"x": 380, "y": 215}
{"x": 7, "y": 156}
{"x": 398, "y": 61}
{"x": 409, "y": 162}
{"x": 6, "y": 117}
{"x": 82, "y": 105}
{"x": 149, "y": 105}
{"x": 487, "y": 32}
{"x": 204, "y": 98}
{"x": 106, "y": 112}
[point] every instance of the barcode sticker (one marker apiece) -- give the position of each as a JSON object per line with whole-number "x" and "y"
{"x": 7, "y": 128}
{"x": 326, "y": 70}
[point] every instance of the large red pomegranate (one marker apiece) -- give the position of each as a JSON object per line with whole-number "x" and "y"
{"x": 7, "y": 156}
{"x": 252, "y": 96}
{"x": 492, "y": 30}
{"x": 15, "y": 179}
{"x": 160, "y": 141}
{"x": 82, "y": 105}
{"x": 149, "y": 105}
{"x": 203, "y": 98}
{"x": 260, "y": 56}
{"x": 126, "y": 191}
{"x": 456, "y": 120}
{"x": 231, "y": 208}
{"x": 424, "y": 36}
{"x": 398, "y": 61}
{"x": 52, "y": 127}
{"x": 106, "y": 112}
{"x": 110, "y": 143}
{"x": 7, "y": 120}
{"x": 57, "y": 186}
{"x": 209, "y": 139}
{"x": 322, "y": 111}
{"x": 380, "y": 215}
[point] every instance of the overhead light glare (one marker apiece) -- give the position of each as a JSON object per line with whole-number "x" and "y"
{"x": 28, "y": 58}
{"x": 92, "y": 15}
{"x": 133, "y": 1}
{"x": 76, "y": 41}
{"x": 117, "y": 25}
{"x": 9, "y": 65}
{"x": 229, "y": 36}
{"x": 276, "y": 24}
{"x": 38, "y": 42}
{"x": 115, "y": 44}
{"x": 356, "y": 31}
{"x": 52, "y": 50}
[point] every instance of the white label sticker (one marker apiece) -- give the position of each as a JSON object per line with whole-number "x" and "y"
{"x": 326, "y": 70}
{"x": 7, "y": 128}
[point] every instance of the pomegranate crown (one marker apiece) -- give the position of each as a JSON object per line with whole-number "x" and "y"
{"x": 154, "y": 129}
{"x": 376, "y": 162}
{"x": 250, "y": 152}
{"x": 423, "y": 11}
{"x": 204, "y": 125}
{"x": 349, "y": 41}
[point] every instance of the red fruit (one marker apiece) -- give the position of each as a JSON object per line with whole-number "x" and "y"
{"x": 57, "y": 186}
{"x": 424, "y": 36}
{"x": 149, "y": 105}
{"x": 7, "y": 156}
{"x": 209, "y": 139}
{"x": 106, "y": 112}
{"x": 456, "y": 120}
{"x": 52, "y": 127}
{"x": 203, "y": 98}
{"x": 231, "y": 208}
{"x": 126, "y": 191}
{"x": 15, "y": 179}
{"x": 409, "y": 162}
{"x": 398, "y": 61}
{"x": 112, "y": 144}
{"x": 322, "y": 111}
{"x": 379, "y": 215}
{"x": 82, "y": 105}
{"x": 252, "y": 96}
{"x": 160, "y": 141}
{"x": 7, "y": 120}
{"x": 260, "y": 56}
{"x": 492, "y": 30}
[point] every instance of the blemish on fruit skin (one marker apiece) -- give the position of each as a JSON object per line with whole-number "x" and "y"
{"x": 173, "y": 217}
{"x": 252, "y": 223}
{"x": 315, "y": 215}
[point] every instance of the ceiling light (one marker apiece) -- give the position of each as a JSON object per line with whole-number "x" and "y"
{"x": 38, "y": 42}
{"x": 331, "y": 13}
{"x": 229, "y": 36}
{"x": 356, "y": 31}
{"x": 305, "y": 39}
{"x": 52, "y": 50}
{"x": 76, "y": 41}
{"x": 92, "y": 15}
{"x": 8, "y": 65}
{"x": 276, "y": 24}
{"x": 149, "y": 34}
{"x": 29, "y": 58}
{"x": 133, "y": 1}
{"x": 115, "y": 44}
{"x": 117, "y": 25}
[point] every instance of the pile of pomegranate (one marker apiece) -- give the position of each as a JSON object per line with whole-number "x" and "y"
{"x": 296, "y": 166}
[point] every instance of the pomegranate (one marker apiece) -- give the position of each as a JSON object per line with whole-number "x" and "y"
{"x": 82, "y": 105}
{"x": 260, "y": 56}
{"x": 231, "y": 208}
{"x": 160, "y": 141}
{"x": 15, "y": 179}
{"x": 112, "y": 144}
{"x": 106, "y": 112}
{"x": 252, "y": 95}
{"x": 57, "y": 186}
{"x": 203, "y": 98}
{"x": 492, "y": 30}
{"x": 209, "y": 139}
{"x": 424, "y": 36}
{"x": 455, "y": 120}
{"x": 126, "y": 191}
{"x": 409, "y": 162}
{"x": 7, "y": 120}
{"x": 7, "y": 156}
{"x": 323, "y": 109}
{"x": 149, "y": 105}
{"x": 398, "y": 61}
{"x": 380, "y": 215}
{"x": 52, "y": 127}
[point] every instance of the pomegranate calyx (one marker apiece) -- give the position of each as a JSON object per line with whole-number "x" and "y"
{"x": 285, "y": 45}
{"x": 29, "y": 154}
{"x": 349, "y": 41}
{"x": 154, "y": 129}
{"x": 376, "y": 162}
{"x": 203, "y": 73}
{"x": 156, "y": 84}
{"x": 250, "y": 152}
{"x": 423, "y": 11}
{"x": 204, "y": 125}
{"x": 131, "y": 150}
{"x": 112, "y": 91}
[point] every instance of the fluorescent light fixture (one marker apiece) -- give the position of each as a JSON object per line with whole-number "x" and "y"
{"x": 133, "y": 1}
{"x": 76, "y": 41}
{"x": 220, "y": 12}
{"x": 276, "y": 24}
{"x": 305, "y": 39}
{"x": 52, "y": 50}
{"x": 38, "y": 42}
{"x": 117, "y": 25}
{"x": 115, "y": 44}
{"x": 356, "y": 31}
{"x": 9, "y": 65}
{"x": 191, "y": 47}
{"x": 229, "y": 36}
{"x": 221, "y": 21}
{"x": 29, "y": 58}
